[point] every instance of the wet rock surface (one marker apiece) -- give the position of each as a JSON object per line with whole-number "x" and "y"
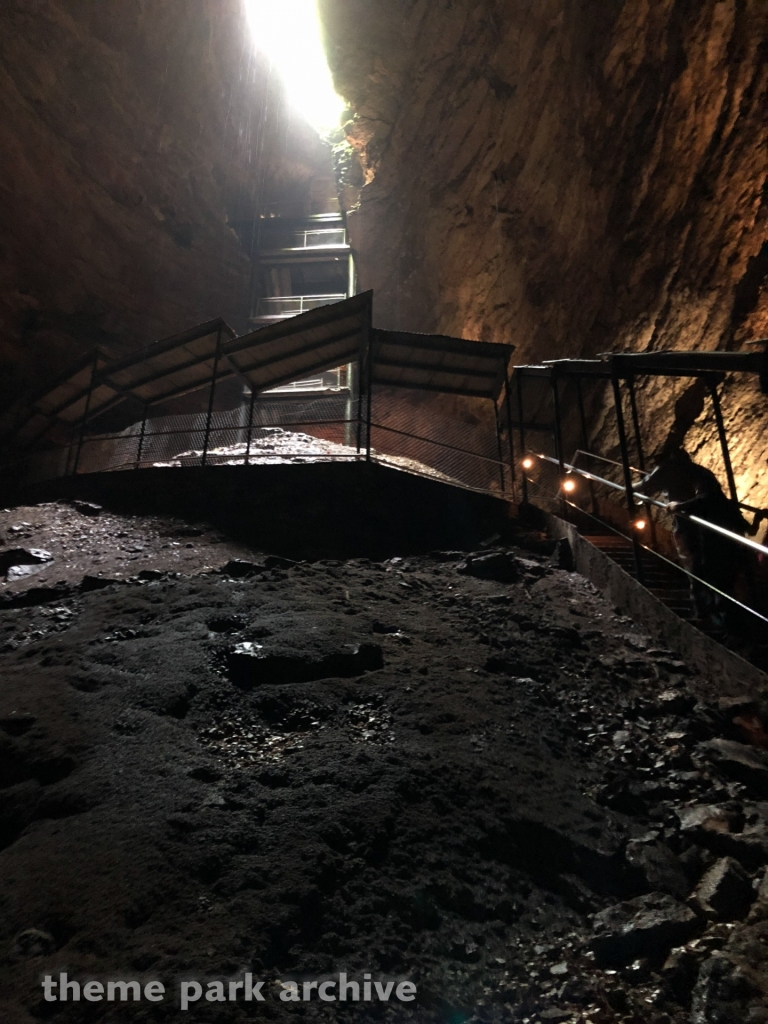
{"x": 502, "y": 791}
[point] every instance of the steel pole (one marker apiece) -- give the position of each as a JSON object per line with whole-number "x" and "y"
{"x": 508, "y": 404}
{"x": 250, "y": 428}
{"x": 628, "y": 487}
{"x": 585, "y": 440}
{"x": 712, "y": 385}
{"x": 559, "y": 440}
{"x": 209, "y": 417}
{"x": 519, "y": 375}
{"x": 499, "y": 448}
{"x": 141, "y": 438}
{"x": 369, "y": 384}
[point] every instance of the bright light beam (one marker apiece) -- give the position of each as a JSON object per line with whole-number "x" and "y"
{"x": 288, "y": 32}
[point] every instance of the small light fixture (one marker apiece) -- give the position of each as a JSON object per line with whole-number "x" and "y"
{"x": 640, "y": 524}
{"x": 569, "y": 485}
{"x": 528, "y": 463}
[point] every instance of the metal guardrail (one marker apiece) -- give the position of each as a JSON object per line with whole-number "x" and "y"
{"x": 729, "y": 534}
{"x": 319, "y": 238}
{"x": 280, "y": 306}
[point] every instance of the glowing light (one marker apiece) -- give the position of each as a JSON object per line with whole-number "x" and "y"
{"x": 289, "y": 33}
{"x": 569, "y": 485}
{"x": 640, "y": 524}
{"x": 528, "y": 463}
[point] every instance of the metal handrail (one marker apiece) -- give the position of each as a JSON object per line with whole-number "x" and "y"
{"x": 644, "y": 473}
{"x": 674, "y": 565}
{"x": 440, "y": 444}
{"x": 612, "y": 462}
{"x": 645, "y": 499}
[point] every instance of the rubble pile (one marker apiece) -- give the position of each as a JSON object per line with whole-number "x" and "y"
{"x": 462, "y": 769}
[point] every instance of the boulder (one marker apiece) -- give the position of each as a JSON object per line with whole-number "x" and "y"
{"x": 251, "y": 664}
{"x": 16, "y": 563}
{"x": 499, "y": 566}
{"x": 657, "y": 867}
{"x": 648, "y": 926}
{"x": 87, "y": 508}
{"x": 745, "y": 764}
{"x": 725, "y": 892}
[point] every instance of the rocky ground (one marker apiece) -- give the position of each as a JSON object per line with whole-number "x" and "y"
{"x": 462, "y": 770}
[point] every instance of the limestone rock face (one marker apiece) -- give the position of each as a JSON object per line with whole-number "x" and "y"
{"x": 571, "y": 176}
{"x": 133, "y": 136}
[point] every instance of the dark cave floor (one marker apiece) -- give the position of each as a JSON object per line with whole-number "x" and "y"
{"x": 465, "y": 772}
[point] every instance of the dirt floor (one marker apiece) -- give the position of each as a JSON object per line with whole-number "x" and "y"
{"x": 462, "y": 770}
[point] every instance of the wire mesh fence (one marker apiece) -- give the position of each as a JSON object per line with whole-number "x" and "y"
{"x": 431, "y": 436}
{"x": 422, "y": 435}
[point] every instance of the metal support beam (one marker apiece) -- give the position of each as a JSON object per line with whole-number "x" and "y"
{"x": 209, "y": 417}
{"x": 628, "y": 487}
{"x": 558, "y": 434}
{"x": 368, "y": 335}
{"x": 508, "y": 404}
{"x": 142, "y": 432}
{"x": 249, "y": 437}
{"x": 521, "y": 420}
{"x": 585, "y": 440}
{"x": 712, "y": 385}
{"x": 636, "y": 423}
{"x": 500, "y": 450}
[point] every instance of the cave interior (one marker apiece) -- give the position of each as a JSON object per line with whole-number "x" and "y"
{"x": 341, "y": 629}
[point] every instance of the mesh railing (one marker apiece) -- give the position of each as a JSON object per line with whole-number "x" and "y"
{"x": 418, "y": 437}
{"x": 424, "y": 434}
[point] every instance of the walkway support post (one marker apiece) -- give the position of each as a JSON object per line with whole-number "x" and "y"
{"x": 639, "y": 446}
{"x": 209, "y": 417}
{"x": 499, "y": 449}
{"x": 519, "y": 375}
{"x": 368, "y": 331}
{"x": 585, "y": 439}
{"x": 636, "y": 422}
{"x": 508, "y": 404}
{"x": 712, "y": 385}
{"x": 554, "y": 380}
{"x": 250, "y": 428}
{"x": 142, "y": 432}
{"x": 92, "y": 384}
{"x": 628, "y": 487}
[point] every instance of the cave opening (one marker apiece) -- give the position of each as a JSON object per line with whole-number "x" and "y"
{"x": 290, "y": 34}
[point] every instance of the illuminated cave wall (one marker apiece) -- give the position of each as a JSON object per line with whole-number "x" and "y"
{"x": 573, "y": 176}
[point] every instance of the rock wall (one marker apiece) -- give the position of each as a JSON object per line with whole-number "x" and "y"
{"x": 131, "y": 134}
{"x": 572, "y": 176}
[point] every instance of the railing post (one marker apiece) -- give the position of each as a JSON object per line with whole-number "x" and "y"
{"x": 558, "y": 438}
{"x": 369, "y": 381}
{"x": 94, "y": 370}
{"x": 585, "y": 440}
{"x": 211, "y": 399}
{"x": 712, "y": 385}
{"x": 508, "y": 405}
{"x": 141, "y": 439}
{"x": 636, "y": 423}
{"x": 250, "y": 428}
{"x": 639, "y": 446}
{"x": 637, "y": 550}
{"x": 522, "y": 430}
{"x": 499, "y": 449}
